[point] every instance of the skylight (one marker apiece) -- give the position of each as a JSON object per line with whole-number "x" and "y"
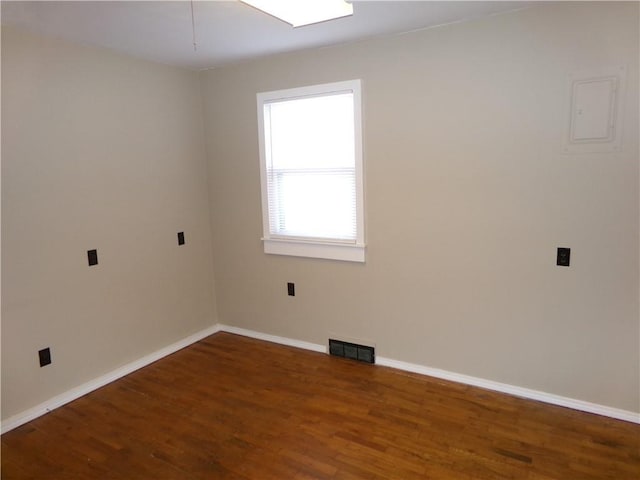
{"x": 299, "y": 13}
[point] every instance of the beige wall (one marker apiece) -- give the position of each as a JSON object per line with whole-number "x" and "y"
{"x": 98, "y": 151}
{"x": 467, "y": 198}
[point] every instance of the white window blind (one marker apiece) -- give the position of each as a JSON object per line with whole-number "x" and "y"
{"x": 312, "y": 168}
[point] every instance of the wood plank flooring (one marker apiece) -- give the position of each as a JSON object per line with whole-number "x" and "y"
{"x": 231, "y": 407}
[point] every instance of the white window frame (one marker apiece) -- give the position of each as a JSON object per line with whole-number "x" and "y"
{"x": 353, "y": 251}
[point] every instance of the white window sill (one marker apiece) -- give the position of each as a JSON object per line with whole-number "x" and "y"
{"x": 298, "y": 248}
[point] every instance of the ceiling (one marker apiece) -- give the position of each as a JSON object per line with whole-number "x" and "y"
{"x": 226, "y": 31}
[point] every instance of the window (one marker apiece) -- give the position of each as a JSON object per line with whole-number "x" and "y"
{"x": 311, "y": 171}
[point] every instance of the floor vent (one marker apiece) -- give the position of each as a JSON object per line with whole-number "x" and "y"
{"x": 354, "y": 351}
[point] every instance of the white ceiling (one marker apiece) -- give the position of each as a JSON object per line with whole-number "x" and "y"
{"x": 226, "y": 31}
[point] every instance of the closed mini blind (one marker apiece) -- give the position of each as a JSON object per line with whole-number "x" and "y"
{"x": 310, "y": 167}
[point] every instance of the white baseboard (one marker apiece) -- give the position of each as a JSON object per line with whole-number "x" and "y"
{"x": 66, "y": 397}
{"x": 513, "y": 390}
{"x": 528, "y": 393}
{"x": 273, "y": 338}
{"x": 77, "y": 392}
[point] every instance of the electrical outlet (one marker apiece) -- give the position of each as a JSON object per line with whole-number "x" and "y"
{"x": 564, "y": 256}
{"x": 291, "y": 289}
{"x": 180, "y": 238}
{"x": 92, "y": 256}
{"x": 45, "y": 356}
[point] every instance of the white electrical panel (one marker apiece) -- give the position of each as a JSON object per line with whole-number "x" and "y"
{"x": 594, "y": 122}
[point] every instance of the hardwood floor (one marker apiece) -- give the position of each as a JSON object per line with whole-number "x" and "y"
{"x": 231, "y": 407}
